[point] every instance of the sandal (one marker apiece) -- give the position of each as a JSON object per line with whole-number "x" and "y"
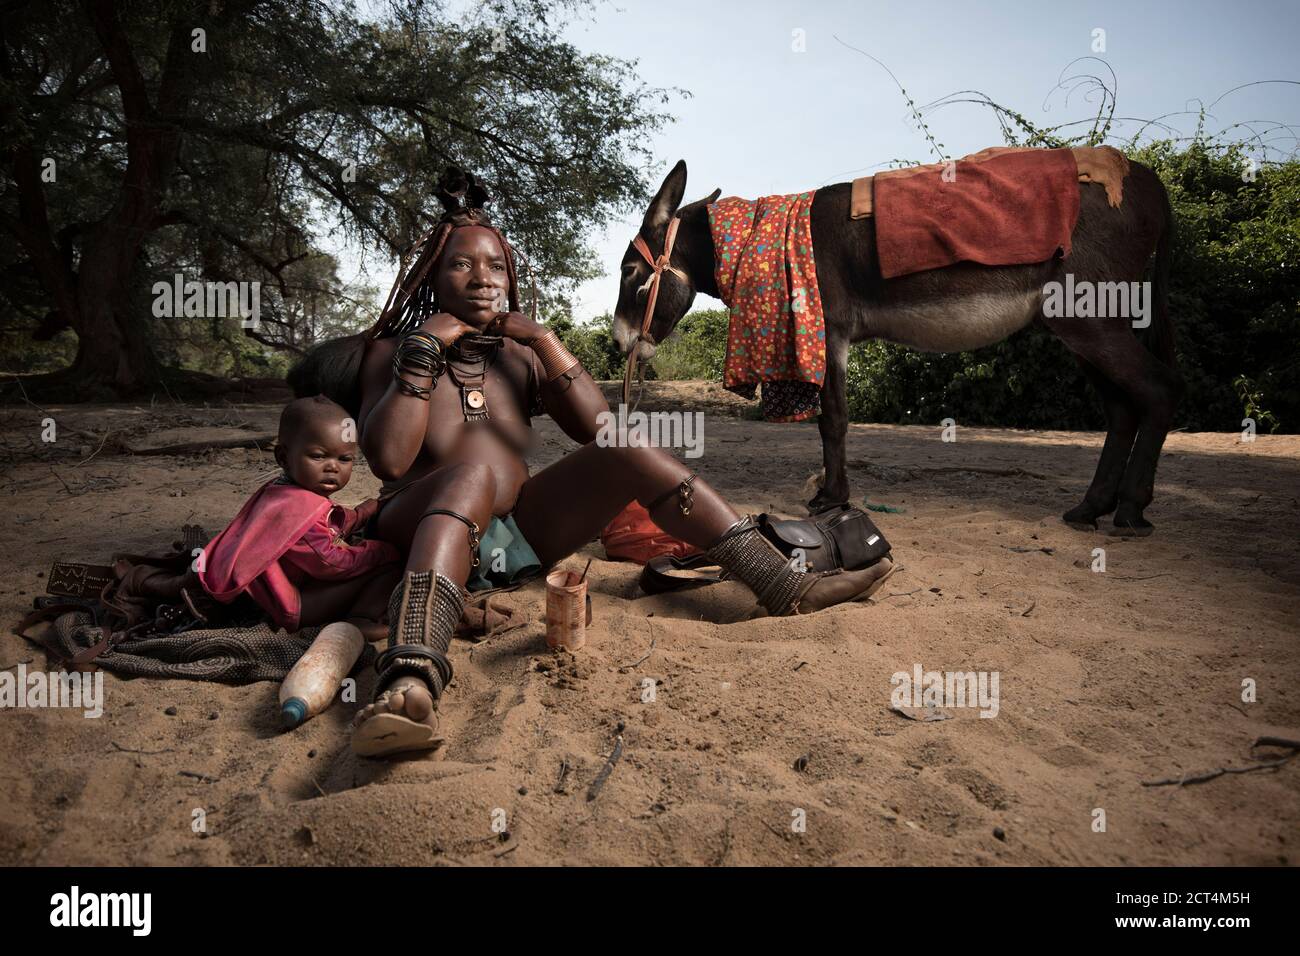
{"x": 670, "y": 573}
{"x": 383, "y": 734}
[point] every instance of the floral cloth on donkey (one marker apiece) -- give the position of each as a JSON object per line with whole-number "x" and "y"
{"x": 766, "y": 276}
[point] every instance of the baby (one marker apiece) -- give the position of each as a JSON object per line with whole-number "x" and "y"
{"x": 286, "y": 548}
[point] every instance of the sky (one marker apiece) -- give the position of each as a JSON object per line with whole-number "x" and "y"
{"x": 778, "y": 105}
{"x": 765, "y": 119}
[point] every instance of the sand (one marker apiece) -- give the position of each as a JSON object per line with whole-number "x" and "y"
{"x": 767, "y": 741}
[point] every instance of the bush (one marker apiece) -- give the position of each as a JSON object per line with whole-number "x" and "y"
{"x": 592, "y": 344}
{"x": 696, "y": 349}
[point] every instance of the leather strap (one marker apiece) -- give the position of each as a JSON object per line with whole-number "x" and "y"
{"x": 78, "y": 661}
{"x": 658, "y": 265}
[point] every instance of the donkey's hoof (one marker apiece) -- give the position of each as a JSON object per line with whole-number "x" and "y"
{"x": 1081, "y": 518}
{"x": 1137, "y": 527}
{"x": 821, "y": 501}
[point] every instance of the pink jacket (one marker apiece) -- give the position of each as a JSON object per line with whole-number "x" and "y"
{"x": 283, "y": 537}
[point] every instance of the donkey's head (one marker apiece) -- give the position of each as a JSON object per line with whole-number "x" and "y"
{"x": 677, "y": 275}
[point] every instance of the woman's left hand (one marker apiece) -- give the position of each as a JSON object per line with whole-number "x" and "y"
{"x": 366, "y": 510}
{"x": 517, "y": 326}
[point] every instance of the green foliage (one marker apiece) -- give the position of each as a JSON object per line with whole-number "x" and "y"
{"x": 297, "y": 120}
{"x": 1026, "y": 381}
{"x": 19, "y": 354}
{"x": 592, "y": 344}
{"x": 696, "y": 349}
{"x": 1250, "y": 398}
{"x": 1236, "y": 283}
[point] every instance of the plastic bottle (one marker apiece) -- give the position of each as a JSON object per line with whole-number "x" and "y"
{"x": 312, "y": 683}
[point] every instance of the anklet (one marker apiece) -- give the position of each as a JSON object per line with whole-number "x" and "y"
{"x": 686, "y": 494}
{"x": 469, "y": 523}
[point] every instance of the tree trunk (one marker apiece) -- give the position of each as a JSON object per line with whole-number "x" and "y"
{"x": 114, "y": 348}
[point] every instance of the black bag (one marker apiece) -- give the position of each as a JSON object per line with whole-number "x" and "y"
{"x": 840, "y": 537}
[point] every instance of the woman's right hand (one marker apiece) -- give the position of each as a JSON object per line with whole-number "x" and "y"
{"x": 446, "y": 327}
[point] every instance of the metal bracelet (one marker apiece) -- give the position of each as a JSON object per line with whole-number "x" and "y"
{"x": 420, "y": 353}
{"x": 555, "y": 358}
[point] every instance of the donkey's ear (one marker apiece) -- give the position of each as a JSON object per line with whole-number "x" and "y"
{"x": 708, "y": 200}
{"x": 666, "y": 200}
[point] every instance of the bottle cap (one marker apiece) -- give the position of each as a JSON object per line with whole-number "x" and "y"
{"x": 293, "y": 712}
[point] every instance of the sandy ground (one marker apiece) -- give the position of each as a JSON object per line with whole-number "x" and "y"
{"x": 1107, "y": 679}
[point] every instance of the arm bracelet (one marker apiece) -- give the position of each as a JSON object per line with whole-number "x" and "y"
{"x": 555, "y": 358}
{"x": 419, "y": 353}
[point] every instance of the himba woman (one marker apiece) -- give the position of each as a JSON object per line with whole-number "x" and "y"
{"x": 448, "y": 381}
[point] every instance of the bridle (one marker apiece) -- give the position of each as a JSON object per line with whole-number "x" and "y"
{"x": 658, "y": 265}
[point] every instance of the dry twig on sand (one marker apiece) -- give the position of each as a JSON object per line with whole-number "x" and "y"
{"x": 594, "y": 790}
{"x": 249, "y": 441}
{"x": 145, "y": 753}
{"x": 197, "y": 776}
{"x": 1203, "y": 776}
{"x": 642, "y": 660}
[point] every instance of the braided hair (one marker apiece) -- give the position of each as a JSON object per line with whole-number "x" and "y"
{"x": 412, "y": 298}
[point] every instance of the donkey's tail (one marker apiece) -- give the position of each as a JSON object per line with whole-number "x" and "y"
{"x": 1161, "y": 338}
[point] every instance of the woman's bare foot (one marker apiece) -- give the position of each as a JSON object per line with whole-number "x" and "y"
{"x": 401, "y": 719}
{"x": 831, "y": 589}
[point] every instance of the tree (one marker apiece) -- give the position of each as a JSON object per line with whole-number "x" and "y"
{"x": 215, "y": 138}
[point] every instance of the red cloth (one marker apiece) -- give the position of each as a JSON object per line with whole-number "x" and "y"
{"x": 999, "y": 209}
{"x": 283, "y": 537}
{"x": 768, "y": 279}
{"x": 633, "y": 536}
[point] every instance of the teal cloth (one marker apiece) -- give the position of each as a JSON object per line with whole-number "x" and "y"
{"x": 504, "y": 556}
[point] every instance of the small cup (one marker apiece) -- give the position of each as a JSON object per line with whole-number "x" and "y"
{"x": 566, "y": 610}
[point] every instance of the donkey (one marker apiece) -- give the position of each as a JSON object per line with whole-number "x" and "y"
{"x": 953, "y": 309}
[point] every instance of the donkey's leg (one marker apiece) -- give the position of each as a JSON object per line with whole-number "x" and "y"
{"x": 1157, "y": 396}
{"x": 1152, "y": 389}
{"x": 833, "y": 423}
{"x": 1121, "y": 429}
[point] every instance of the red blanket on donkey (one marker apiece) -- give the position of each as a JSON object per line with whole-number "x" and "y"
{"x": 284, "y": 536}
{"x": 995, "y": 207}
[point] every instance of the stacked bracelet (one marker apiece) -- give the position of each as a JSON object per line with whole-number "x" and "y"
{"x": 419, "y": 353}
{"x": 555, "y": 358}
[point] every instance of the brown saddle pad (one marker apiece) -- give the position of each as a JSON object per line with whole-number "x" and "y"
{"x": 1104, "y": 165}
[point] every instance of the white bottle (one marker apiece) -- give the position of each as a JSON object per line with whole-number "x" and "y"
{"x": 312, "y": 683}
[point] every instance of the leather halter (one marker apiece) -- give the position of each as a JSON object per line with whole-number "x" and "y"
{"x": 658, "y": 265}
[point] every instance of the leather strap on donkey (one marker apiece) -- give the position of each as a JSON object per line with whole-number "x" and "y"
{"x": 658, "y": 265}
